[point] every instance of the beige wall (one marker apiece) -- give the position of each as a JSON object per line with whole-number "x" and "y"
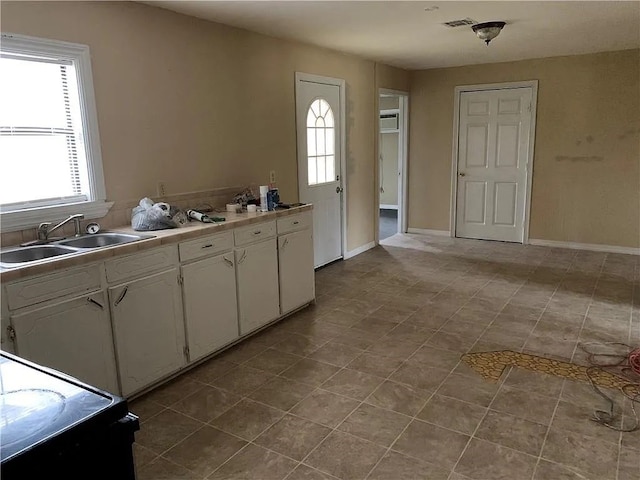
{"x": 586, "y": 179}
{"x": 200, "y": 105}
{"x": 389, "y": 168}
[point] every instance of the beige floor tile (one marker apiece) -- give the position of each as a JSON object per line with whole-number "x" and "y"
{"x": 400, "y": 467}
{"x": 209, "y": 371}
{"x": 430, "y": 443}
{"x": 242, "y": 380}
{"x": 375, "y": 364}
{"x": 293, "y": 436}
{"x": 390, "y": 347}
{"x": 205, "y": 450}
{"x": 577, "y": 418}
{"x": 298, "y": 345}
{"x": 352, "y": 383}
{"x": 525, "y": 404}
{"x": 247, "y": 419}
{"x": 243, "y": 351}
{"x": 142, "y": 456}
{"x": 472, "y": 389}
{"x": 628, "y": 464}
{"x": 145, "y": 408}
{"x": 345, "y": 456}
{"x": 335, "y": 353}
{"x": 255, "y": 462}
{"x": 485, "y": 460}
{"x": 207, "y": 403}
{"x": 165, "y": 430}
{"x": 310, "y": 372}
{"x": 399, "y": 398}
{"x": 281, "y": 393}
{"x": 512, "y": 432}
{"x": 325, "y": 408}
{"x": 375, "y": 424}
{"x": 304, "y": 472}
{"x": 173, "y": 391}
{"x": 546, "y": 470}
{"x": 540, "y": 383}
{"x": 452, "y": 414}
{"x": 162, "y": 469}
{"x": 273, "y": 361}
{"x": 587, "y": 455}
{"x": 419, "y": 376}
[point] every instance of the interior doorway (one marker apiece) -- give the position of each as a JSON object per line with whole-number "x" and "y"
{"x": 392, "y": 161}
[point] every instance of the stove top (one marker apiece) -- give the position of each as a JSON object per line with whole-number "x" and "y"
{"x": 37, "y": 404}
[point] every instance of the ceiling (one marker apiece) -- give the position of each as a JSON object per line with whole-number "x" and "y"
{"x": 411, "y": 35}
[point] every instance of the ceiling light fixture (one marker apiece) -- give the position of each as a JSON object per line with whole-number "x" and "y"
{"x": 487, "y": 31}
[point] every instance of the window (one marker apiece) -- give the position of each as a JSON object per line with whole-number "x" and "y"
{"x": 321, "y": 155}
{"x": 50, "y": 163}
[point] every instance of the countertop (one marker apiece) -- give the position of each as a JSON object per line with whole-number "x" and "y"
{"x": 160, "y": 237}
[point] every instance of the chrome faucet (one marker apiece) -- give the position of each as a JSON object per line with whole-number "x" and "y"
{"x": 44, "y": 231}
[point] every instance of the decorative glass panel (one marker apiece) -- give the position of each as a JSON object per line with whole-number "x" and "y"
{"x": 320, "y": 143}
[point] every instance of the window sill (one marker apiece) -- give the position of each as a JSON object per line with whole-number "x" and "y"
{"x": 31, "y": 218}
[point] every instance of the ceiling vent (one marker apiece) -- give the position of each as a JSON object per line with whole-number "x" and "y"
{"x": 459, "y": 23}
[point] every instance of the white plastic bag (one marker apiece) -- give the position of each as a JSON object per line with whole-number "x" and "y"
{"x": 151, "y": 216}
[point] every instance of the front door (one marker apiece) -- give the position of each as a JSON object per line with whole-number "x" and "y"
{"x": 318, "y": 131}
{"x": 493, "y": 149}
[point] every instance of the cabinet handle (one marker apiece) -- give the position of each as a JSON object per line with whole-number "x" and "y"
{"x": 121, "y": 297}
{"x": 257, "y": 232}
{"x": 208, "y": 245}
{"x": 284, "y": 244}
{"x": 229, "y": 262}
{"x": 296, "y": 222}
{"x": 242, "y": 257}
{"x": 95, "y": 302}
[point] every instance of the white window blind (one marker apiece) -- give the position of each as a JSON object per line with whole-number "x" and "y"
{"x": 50, "y": 161}
{"x": 41, "y": 139}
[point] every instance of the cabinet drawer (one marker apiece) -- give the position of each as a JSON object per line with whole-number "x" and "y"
{"x": 293, "y": 223}
{"x": 202, "y": 247}
{"x": 139, "y": 264}
{"x": 54, "y": 285}
{"x": 253, "y": 233}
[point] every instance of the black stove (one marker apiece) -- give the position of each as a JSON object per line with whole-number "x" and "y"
{"x": 52, "y": 424}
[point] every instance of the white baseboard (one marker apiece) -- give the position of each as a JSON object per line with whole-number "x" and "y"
{"x": 359, "y": 250}
{"x": 426, "y": 231}
{"x": 596, "y": 247}
{"x": 384, "y": 206}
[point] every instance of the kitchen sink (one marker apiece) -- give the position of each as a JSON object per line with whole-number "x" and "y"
{"x": 31, "y": 254}
{"x": 21, "y": 256}
{"x": 99, "y": 240}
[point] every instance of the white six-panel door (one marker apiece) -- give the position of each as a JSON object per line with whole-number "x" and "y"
{"x": 493, "y": 149}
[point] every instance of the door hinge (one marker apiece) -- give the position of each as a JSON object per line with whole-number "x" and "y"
{"x": 529, "y": 108}
{"x": 11, "y": 333}
{"x": 185, "y": 350}
{"x": 180, "y": 279}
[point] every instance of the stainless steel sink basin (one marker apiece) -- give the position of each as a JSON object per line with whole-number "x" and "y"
{"x": 34, "y": 253}
{"x": 99, "y": 240}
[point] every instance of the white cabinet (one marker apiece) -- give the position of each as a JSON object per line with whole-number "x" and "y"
{"x": 73, "y": 336}
{"x": 210, "y": 306}
{"x": 257, "y": 280}
{"x": 148, "y": 328}
{"x": 295, "y": 261}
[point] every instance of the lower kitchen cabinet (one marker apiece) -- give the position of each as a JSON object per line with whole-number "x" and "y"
{"x": 210, "y": 304}
{"x": 257, "y": 281}
{"x": 73, "y": 336}
{"x": 295, "y": 262}
{"x": 148, "y": 328}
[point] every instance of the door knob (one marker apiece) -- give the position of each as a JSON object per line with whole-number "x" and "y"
{"x": 338, "y": 189}
{"x": 461, "y": 174}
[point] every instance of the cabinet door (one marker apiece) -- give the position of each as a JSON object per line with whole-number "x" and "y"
{"x": 210, "y": 304}
{"x": 73, "y": 336}
{"x": 148, "y": 329}
{"x": 295, "y": 260}
{"x": 257, "y": 278}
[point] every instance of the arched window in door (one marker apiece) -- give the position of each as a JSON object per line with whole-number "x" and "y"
{"x": 321, "y": 155}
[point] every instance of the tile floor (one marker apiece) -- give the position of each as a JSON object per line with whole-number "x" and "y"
{"x": 368, "y": 382}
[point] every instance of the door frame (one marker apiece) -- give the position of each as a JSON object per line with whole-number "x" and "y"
{"x": 533, "y": 85}
{"x": 341, "y": 84}
{"x": 403, "y": 160}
